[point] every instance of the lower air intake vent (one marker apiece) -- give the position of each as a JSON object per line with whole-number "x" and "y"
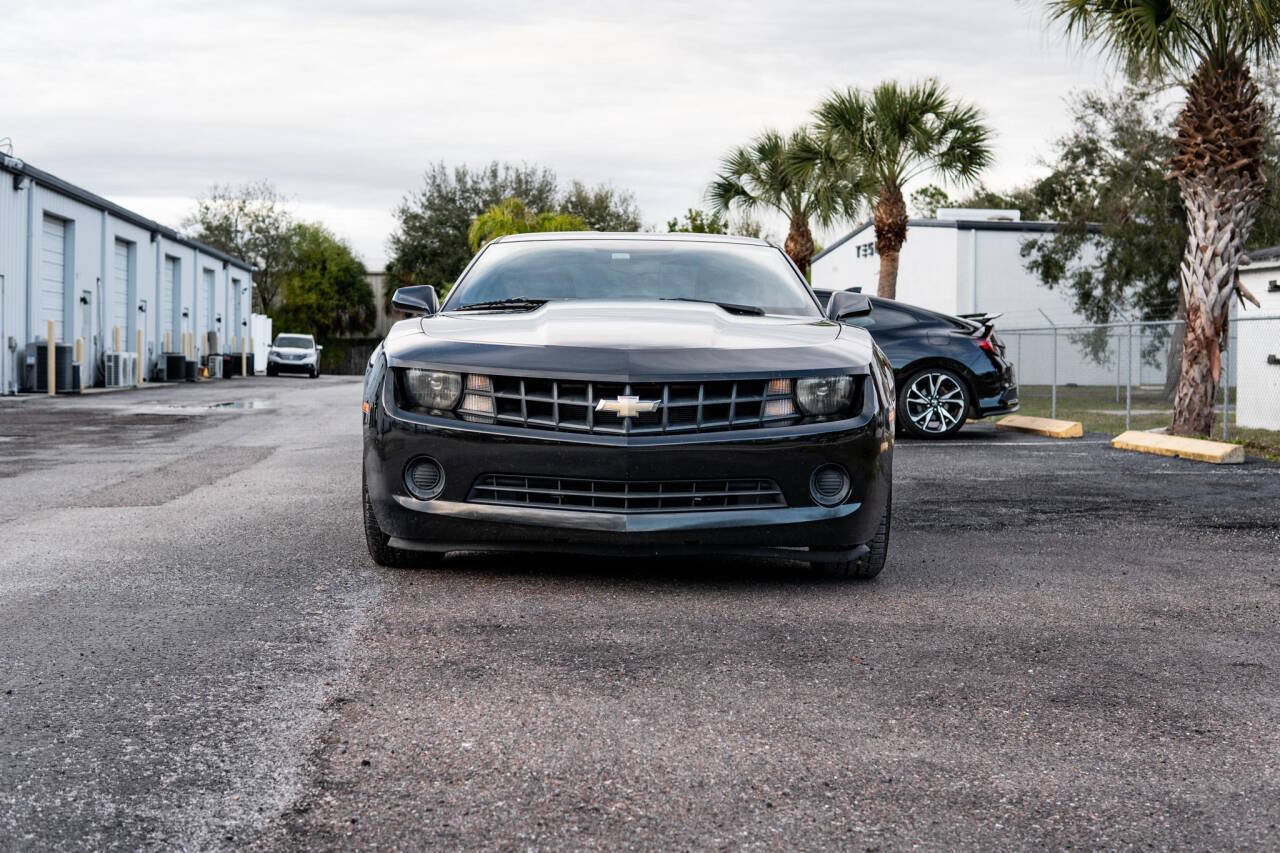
{"x": 626, "y": 496}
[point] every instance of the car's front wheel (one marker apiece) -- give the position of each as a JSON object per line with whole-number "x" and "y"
{"x": 869, "y": 565}
{"x": 382, "y": 552}
{"x": 933, "y": 403}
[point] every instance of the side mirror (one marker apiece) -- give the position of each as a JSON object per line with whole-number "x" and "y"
{"x": 845, "y": 304}
{"x": 318, "y": 348}
{"x": 418, "y": 299}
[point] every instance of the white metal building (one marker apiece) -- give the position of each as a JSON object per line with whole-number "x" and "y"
{"x": 963, "y": 262}
{"x": 107, "y": 278}
{"x": 1256, "y": 362}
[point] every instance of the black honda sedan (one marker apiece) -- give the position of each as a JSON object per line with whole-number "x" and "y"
{"x": 948, "y": 369}
{"x": 634, "y": 394}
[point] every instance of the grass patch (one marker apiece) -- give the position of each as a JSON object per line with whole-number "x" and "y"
{"x": 1099, "y": 410}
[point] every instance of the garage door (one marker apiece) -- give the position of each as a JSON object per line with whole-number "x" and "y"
{"x": 236, "y": 329}
{"x": 118, "y": 317}
{"x": 167, "y": 289}
{"x": 205, "y": 317}
{"x": 53, "y": 275}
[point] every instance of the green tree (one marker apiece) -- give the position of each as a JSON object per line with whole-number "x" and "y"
{"x": 885, "y": 138}
{"x": 760, "y": 176}
{"x": 430, "y": 244}
{"x": 510, "y": 216}
{"x": 699, "y": 222}
{"x": 602, "y": 208}
{"x": 251, "y": 222}
{"x": 323, "y": 286}
{"x": 1208, "y": 45}
{"x": 926, "y": 201}
{"x": 1120, "y": 223}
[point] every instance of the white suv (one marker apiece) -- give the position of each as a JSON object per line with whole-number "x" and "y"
{"x": 294, "y": 354}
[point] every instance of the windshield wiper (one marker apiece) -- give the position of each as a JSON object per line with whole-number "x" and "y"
{"x": 512, "y": 302}
{"x": 731, "y": 307}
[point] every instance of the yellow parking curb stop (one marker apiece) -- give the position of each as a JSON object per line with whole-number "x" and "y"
{"x": 1196, "y": 449}
{"x": 1042, "y": 426}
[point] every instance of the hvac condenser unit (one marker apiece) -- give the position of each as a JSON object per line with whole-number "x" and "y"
{"x": 37, "y": 367}
{"x": 214, "y": 363}
{"x": 175, "y": 366}
{"x": 121, "y": 369}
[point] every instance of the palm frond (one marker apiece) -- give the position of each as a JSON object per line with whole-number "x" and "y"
{"x": 897, "y": 132}
{"x": 1155, "y": 38}
{"x": 797, "y": 174}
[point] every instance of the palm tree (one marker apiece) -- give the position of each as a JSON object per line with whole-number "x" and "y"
{"x": 510, "y": 216}
{"x": 1208, "y": 46}
{"x": 891, "y": 135}
{"x": 758, "y": 176}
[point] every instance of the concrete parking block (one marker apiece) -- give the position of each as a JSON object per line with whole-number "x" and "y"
{"x": 1042, "y": 426}
{"x": 1196, "y": 449}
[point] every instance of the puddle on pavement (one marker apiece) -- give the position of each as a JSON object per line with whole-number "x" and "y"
{"x": 240, "y": 404}
{"x": 195, "y": 409}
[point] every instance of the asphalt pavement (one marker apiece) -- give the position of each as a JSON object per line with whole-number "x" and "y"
{"x": 1071, "y": 646}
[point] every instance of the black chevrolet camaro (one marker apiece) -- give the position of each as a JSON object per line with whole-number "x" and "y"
{"x": 635, "y": 394}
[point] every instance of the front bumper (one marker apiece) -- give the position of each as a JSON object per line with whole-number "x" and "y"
{"x": 787, "y": 455}
{"x": 282, "y": 366}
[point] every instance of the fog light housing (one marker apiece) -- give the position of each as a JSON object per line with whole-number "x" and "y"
{"x": 424, "y": 478}
{"x": 829, "y": 485}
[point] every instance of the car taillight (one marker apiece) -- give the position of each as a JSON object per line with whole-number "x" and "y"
{"x": 988, "y": 345}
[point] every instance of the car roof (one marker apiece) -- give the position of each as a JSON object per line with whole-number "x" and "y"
{"x": 670, "y": 237}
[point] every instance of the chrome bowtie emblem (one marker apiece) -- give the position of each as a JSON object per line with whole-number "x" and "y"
{"x": 627, "y": 407}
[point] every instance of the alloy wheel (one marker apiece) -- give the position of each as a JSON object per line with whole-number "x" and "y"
{"x": 935, "y": 403}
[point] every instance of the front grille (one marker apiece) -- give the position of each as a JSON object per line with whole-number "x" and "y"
{"x": 682, "y": 406}
{"x": 626, "y": 496}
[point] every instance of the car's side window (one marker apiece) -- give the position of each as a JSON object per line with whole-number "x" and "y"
{"x": 883, "y": 318}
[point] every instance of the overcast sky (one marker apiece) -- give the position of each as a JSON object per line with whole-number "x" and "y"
{"x": 342, "y": 104}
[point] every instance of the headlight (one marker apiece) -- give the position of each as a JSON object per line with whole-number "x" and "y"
{"x": 430, "y": 389}
{"x": 824, "y": 395}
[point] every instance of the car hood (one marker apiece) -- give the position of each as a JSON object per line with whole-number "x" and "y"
{"x": 626, "y": 340}
{"x": 291, "y": 351}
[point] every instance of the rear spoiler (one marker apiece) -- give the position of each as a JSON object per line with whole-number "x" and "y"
{"x": 986, "y": 321}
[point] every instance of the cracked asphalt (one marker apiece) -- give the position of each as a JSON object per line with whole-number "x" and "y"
{"x": 1070, "y": 647}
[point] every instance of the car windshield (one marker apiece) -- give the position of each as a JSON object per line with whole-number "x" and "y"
{"x": 731, "y": 274}
{"x": 293, "y": 341}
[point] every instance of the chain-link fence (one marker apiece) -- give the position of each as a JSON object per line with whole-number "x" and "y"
{"x": 1123, "y": 375}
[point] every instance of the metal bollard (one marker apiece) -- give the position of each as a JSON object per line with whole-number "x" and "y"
{"x": 51, "y": 361}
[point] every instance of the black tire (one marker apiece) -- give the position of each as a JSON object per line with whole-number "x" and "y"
{"x": 271, "y": 371}
{"x": 381, "y": 552}
{"x": 867, "y": 567}
{"x": 933, "y": 403}
{"x": 315, "y": 371}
